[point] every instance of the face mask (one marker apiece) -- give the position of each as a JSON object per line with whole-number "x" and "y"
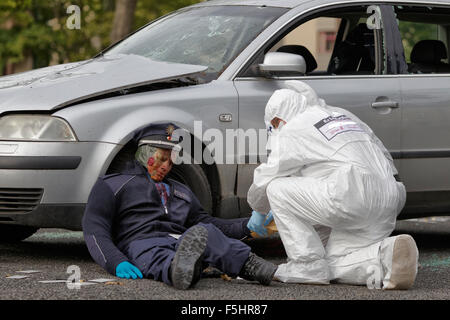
{"x": 272, "y": 134}
{"x": 271, "y": 137}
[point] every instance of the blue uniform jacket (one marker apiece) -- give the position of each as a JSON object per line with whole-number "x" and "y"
{"x": 126, "y": 206}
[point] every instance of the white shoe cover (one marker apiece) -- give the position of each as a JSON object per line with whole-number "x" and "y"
{"x": 399, "y": 256}
{"x": 312, "y": 272}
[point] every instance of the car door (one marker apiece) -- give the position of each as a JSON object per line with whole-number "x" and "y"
{"x": 373, "y": 96}
{"x": 424, "y": 31}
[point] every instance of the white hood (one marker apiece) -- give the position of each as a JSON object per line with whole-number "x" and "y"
{"x": 284, "y": 104}
{"x": 288, "y": 103}
{"x": 311, "y": 96}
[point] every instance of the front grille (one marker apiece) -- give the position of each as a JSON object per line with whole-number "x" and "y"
{"x": 15, "y": 200}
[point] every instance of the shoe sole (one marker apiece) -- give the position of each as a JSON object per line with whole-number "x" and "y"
{"x": 404, "y": 263}
{"x": 188, "y": 256}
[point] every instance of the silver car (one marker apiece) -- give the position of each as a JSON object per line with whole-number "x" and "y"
{"x": 219, "y": 61}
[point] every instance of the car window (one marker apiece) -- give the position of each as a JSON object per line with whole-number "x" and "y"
{"x": 209, "y": 36}
{"x": 318, "y": 36}
{"x": 425, "y": 33}
{"x": 333, "y": 42}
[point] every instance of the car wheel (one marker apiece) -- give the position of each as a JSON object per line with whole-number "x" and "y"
{"x": 119, "y": 162}
{"x": 193, "y": 176}
{"x": 13, "y": 233}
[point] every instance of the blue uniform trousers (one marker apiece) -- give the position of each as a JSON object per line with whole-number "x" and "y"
{"x": 153, "y": 256}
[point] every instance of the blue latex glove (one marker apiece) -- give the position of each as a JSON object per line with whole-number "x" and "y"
{"x": 256, "y": 224}
{"x": 269, "y": 218}
{"x": 127, "y": 270}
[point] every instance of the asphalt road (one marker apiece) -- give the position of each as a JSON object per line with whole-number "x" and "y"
{"x": 52, "y": 251}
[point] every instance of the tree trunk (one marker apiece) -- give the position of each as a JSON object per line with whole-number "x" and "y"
{"x": 123, "y": 19}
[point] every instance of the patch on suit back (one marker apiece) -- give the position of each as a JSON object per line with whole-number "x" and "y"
{"x": 331, "y": 126}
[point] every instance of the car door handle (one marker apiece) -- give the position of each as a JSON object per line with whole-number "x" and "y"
{"x": 384, "y": 104}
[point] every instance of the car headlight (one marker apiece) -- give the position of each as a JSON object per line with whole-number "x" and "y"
{"x": 35, "y": 128}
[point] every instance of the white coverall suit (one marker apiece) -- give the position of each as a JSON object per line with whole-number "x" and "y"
{"x": 328, "y": 168}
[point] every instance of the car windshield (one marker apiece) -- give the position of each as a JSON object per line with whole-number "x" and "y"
{"x": 208, "y": 36}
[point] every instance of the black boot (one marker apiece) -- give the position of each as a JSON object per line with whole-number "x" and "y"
{"x": 258, "y": 269}
{"x": 186, "y": 267}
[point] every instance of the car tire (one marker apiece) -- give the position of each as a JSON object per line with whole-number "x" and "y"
{"x": 14, "y": 233}
{"x": 193, "y": 176}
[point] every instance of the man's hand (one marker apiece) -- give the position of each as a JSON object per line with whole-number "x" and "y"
{"x": 128, "y": 271}
{"x": 256, "y": 224}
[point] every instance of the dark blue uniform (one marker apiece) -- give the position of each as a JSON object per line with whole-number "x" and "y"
{"x": 125, "y": 220}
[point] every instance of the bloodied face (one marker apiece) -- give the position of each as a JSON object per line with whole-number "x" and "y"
{"x": 159, "y": 164}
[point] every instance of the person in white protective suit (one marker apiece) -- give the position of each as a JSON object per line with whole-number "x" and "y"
{"x": 327, "y": 168}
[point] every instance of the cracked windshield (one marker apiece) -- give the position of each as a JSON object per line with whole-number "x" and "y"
{"x": 208, "y": 36}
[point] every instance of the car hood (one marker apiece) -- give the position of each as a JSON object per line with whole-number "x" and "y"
{"x": 58, "y": 86}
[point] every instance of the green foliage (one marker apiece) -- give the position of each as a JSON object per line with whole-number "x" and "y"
{"x": 150, "y": 10}
{"x": 413, "y": 32}
{"x": 14, "y": 5}
{"x": 38, "y": 28}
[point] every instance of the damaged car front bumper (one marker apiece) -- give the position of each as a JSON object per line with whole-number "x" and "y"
{"x": 47, "y": 184}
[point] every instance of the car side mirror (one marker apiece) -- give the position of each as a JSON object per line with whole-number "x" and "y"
{"x": 282, "y": 62}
